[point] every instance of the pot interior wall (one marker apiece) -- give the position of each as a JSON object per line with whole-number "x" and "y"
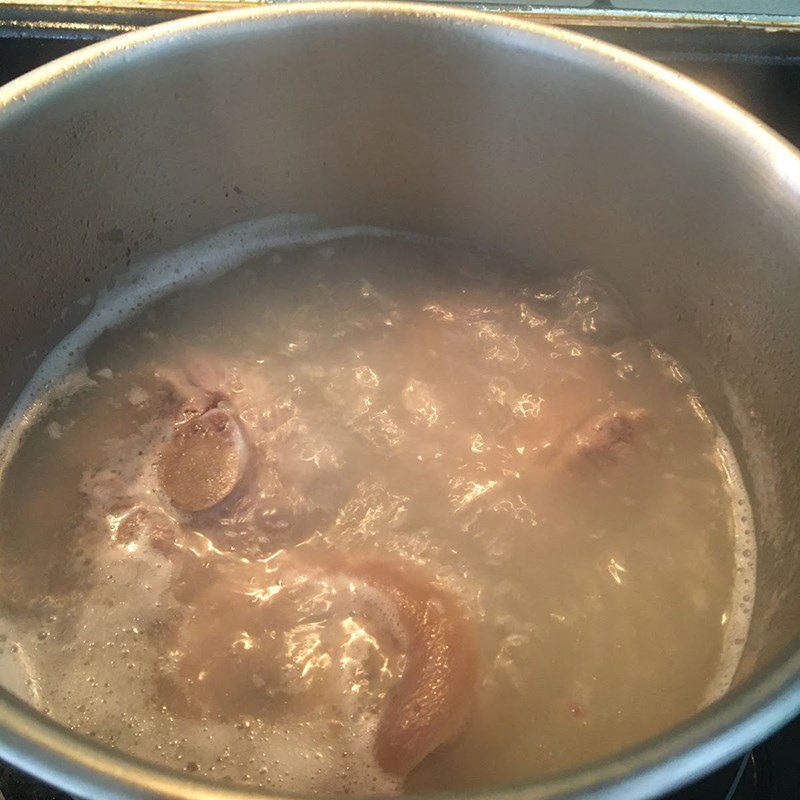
{"x": 520, "y": 144}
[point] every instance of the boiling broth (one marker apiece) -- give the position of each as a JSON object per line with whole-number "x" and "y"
{"x": 510, "y": 437}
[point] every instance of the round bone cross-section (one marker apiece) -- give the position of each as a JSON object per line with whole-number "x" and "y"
{"x": 204, "y": 461}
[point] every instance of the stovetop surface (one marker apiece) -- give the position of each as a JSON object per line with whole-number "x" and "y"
{"x": 760, "y": 73}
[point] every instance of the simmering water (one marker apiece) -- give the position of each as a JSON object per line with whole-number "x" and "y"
{"x": 370, "y": 514}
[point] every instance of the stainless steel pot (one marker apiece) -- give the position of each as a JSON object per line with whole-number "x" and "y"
{"x": 522, "y": 138}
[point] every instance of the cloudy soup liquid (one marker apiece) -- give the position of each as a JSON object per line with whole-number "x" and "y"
{"x": 368, "y": 514}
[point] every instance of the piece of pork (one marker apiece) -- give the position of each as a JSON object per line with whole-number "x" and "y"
{"x": 432, "y": 701}
{"x": 233, "y": 660}
{"x": 602, "y": 440}
{"x": 249, "y": 466}
{"x": 199, "y": 384}
{"x": 205, "y": 460}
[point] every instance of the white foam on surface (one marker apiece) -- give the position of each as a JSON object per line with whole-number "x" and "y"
{"x": 743, "y": 593}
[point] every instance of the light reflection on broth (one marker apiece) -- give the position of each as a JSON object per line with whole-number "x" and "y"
{"x": 375, "y": 515}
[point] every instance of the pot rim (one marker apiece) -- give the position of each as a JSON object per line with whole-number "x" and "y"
{"x": 727, "y": 728}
